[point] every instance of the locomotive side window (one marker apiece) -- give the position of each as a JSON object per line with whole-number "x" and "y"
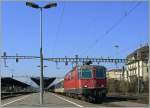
{"x": 86, "y": 73}
{"x": 100, "y": 73}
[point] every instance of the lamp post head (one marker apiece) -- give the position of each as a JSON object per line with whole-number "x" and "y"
{"x": 43, "y": 66}
{"x": 116, "y": 46}
{"x": 31, "y": 4}
{"x": 50, "y": 5}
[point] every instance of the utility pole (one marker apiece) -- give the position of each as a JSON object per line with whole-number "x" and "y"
{"x": 123, "y": 79}
{"x": 116, "y": 46}
{"x": 117, "y": 71}
{"x": 33, "y": 5}
{"x": 138, "y": 78}
{"x": 41, "y": 60}
{"x": 138, "y": 89}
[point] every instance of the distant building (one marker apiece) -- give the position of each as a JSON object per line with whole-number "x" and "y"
{"x": 135, "y": 69}
{"x": 114, "y": 74}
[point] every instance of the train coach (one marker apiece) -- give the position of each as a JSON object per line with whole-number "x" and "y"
{"x": 86, "y": 82}
{"x": 59, "y": 87}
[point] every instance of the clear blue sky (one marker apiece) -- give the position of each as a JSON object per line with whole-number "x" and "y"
{"x": 69, "y": 29}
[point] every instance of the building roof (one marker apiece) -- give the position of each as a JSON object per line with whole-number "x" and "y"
{"x": 52, "y": 86}
{"x": 46, "y": 80}
{"x": 141, "y": 53}
{"x": 8, "y": 81}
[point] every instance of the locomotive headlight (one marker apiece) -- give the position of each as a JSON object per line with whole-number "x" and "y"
{"x": 102, "y": 85}
{"x": 85, "y": 86}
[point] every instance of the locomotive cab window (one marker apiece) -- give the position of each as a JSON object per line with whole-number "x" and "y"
{"x": 100, "y": 73}
{"x": 86, "y": 73}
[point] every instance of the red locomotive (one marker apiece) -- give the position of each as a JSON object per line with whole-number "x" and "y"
{"x": 87, "y": 81}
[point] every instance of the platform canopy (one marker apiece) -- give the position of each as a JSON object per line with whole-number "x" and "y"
{"x": 46, "y": 80}
{"x": 8, "y": 81}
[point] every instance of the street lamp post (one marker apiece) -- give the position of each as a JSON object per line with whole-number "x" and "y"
{"x": 33, "y": 5}
{"x": 116, "y": 46}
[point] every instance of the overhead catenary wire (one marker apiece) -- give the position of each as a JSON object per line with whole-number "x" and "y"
{"x": 112, "y": 27}
{"x": 58, "y": 29}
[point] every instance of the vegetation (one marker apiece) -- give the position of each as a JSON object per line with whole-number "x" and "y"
{"x": 125, "y": 87}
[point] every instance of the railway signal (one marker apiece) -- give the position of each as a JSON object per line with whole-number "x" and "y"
{"x": 17, "y": 57}
{"x": 4, "y": 56}
{"x": 17, "y": 60}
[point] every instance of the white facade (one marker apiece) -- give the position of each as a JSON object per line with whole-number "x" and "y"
{"x": 114, "y": 74}
{"x": 137, "y": 69}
